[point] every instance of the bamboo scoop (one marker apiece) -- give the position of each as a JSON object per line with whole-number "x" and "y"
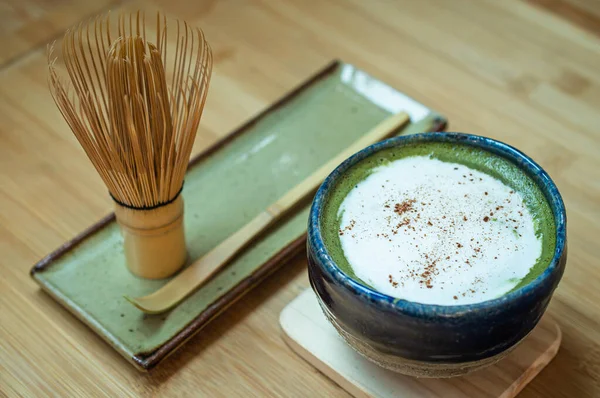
{"x": 205, "y": 267}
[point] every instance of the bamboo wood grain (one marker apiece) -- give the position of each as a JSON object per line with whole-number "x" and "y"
{"x": 184, "y": 283}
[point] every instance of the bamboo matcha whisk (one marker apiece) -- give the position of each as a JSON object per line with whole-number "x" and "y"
{"x": 135, "y": 109}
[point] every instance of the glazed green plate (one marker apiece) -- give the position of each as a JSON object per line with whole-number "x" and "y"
{"x": 225, "y": 187}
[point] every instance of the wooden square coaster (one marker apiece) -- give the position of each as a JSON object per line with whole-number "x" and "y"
{"x": 310, "y": 335}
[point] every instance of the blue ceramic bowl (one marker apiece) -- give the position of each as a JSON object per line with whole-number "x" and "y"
{"x": 432, "y": 340}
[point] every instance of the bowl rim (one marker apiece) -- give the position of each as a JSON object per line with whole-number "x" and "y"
{"x": 536, "y": 172}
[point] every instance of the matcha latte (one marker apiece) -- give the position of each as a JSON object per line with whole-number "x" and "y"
{"x": 439, "y": 223}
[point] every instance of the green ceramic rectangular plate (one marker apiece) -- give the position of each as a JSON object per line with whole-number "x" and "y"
{"x": 225, "y": 187}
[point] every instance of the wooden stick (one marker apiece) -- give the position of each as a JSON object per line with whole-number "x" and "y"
{"x": 207, "y": 266}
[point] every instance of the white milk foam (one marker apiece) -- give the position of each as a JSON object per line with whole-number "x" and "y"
{"x": 437, "y": 233}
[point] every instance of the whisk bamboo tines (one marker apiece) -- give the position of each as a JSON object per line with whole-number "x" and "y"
{"x": 135, "y": 108}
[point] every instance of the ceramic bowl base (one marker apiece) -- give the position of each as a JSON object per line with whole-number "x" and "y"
{"x": 344, "y": 360}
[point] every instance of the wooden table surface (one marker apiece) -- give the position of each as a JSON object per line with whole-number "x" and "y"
{"x": 523, "y": 71}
